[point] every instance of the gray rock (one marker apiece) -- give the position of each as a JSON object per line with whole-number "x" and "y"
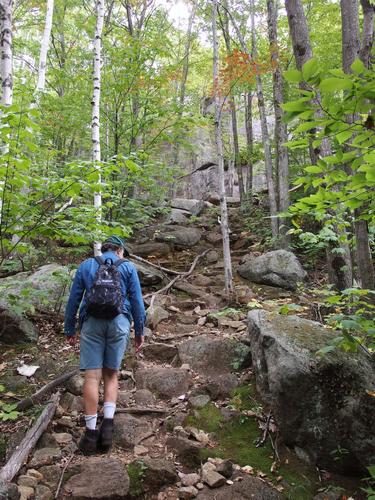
{"x": 144, "y": 397}
{"x": 321, "y": 404}
{"x": 222, "y": 386}
{"x": 212, "y": 256}
{"x": 178, "y": 216}
{"x": 62, "y": 438}
{"x": 195, "y": 207}
{"x": 250, "y": 488}
{"x": 153, "y": 248}
{"x": 45, "y": 456}
{"x": 212, "y": 356}
{"x": 187, "y": 451}
{"x": 187, "y": 492}
{"x": 211, "y": 477}
{"x": 28, "y": 481}
{"x": 277, "y": 268}
{"x": 43, "y": 493}
{"x": 75, "y": 384}
{"x": 51, "y": 475}
{"x": 9, "y": 491}
{"x": 124, "y": 398}
{"x": 69, "y": 402}
{"x": 157, "y": 473}
{"x": 26, "y": 492}
{"x": 148, "y": 275}
{"x": 159, "y": 352}
{"x": 190, "y": 479}
{"x": 182, "y": 237}
{"x": 130, "y": 431}
{"x": 215, "y": 238}
{"x": 155, "y": 315}
{"x": 199, "y": 401}
{"x": 225, "y": 468}
{"x": 165, "y": 382}
{"x": 101, "y": 478}
{"x": 15, "y": 328}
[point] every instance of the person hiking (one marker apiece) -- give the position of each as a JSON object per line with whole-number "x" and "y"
{"x": 108, "y": 291}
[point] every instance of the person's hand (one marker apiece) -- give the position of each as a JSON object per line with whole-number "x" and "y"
{"x": 71, "y": 340}
{"x": 139, "y": 341}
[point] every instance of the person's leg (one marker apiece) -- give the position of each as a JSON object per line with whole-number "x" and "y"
{"x": 91, "y": 394}
{"x": 116, "y": 342}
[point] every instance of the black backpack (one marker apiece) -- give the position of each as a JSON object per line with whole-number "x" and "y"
{"x": 104, "y": 299}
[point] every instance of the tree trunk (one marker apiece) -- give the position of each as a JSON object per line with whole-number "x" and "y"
{"x": 219, "y": 147}
{"x": 44, "y": 47}
{"x": 232, "y": 103}
{"x": 299, "y": 32}
{"x": 95, "y": 125}
{"x": 265, "y": 133}
{"x": 249, "y": 145}
{"x": 367, "y": 32}
{"x": 351, "y": 49}
{"x": 281, "y": 134}
{"x": 6, "y": 47}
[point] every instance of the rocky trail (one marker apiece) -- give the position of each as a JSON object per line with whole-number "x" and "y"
{"x": 190, "y": 422}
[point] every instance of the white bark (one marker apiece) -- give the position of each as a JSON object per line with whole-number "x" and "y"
{"x": 219, "y": 147}
{"x": 6, "y": 10}
{"x": 95, "y": 124}
{"x": 44, "y": 47}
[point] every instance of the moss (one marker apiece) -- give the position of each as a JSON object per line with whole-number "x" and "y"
{"x": 136, "y": 471}
{"x": 243, "y": 398}
{"x": 207, "y": 418}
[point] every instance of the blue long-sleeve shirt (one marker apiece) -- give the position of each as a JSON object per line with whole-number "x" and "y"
{"x": 133, "y": 306}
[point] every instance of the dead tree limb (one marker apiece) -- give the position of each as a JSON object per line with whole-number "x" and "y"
{"x": 30, "y": 401}
{"x": 140, "y": 410}
{"x": 156, "y": 266}
{"x": 180, "y": 276}
{"x": 18, "y": 458}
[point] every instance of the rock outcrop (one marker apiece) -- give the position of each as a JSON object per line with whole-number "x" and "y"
{"x": 277, "y": 268}
{"x": 323, "y": 406}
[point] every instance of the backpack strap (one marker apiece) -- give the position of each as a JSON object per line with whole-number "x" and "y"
{"x": 99, "y": 260}
{"x": 119, "y": 262}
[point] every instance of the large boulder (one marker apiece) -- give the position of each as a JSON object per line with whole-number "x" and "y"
{"x": 212, "y": 356}
{"x": 195, "y": 207}
{"x": 101, "y": 478}
{"x": 181, "y": 237}
{"x": 165, "y": 382}
{"x": 278, "y": 268}
{"x": 324, "y": 406}
{"x": 130, "y": 431}
{"x": 15, "y": 328}
{"x": 178, "y": 216}
{"x": 247, "y": 489}
{"x": 148, "y": 275}
{"x": 151, "y": 248}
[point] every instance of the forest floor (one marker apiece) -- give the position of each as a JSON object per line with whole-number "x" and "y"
{"x": 197, "y": 415}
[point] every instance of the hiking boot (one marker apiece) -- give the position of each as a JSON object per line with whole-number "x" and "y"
{"x": 106, "y": 434}
{"x": 88, "y": 443}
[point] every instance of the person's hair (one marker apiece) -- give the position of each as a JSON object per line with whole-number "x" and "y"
{"x": 106, "y": 247}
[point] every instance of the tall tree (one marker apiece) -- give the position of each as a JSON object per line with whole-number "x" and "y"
{"x": 351, "y": 50}
{"x": 248, "y": 103}
{"x": 219, "y": 148}
{"x": 95, "y": 124}
{"x": 281, "y": 135}
{"x": 44, "y": 47}
{"x": 367, "y": 38}
{"x": 6, "y": 49}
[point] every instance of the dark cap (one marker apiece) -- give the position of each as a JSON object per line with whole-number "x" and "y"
{"x": 116, "y": 240}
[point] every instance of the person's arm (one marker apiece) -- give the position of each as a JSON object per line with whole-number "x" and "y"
{"x": 75, "y": 297}
{"x": 136, "y": 303}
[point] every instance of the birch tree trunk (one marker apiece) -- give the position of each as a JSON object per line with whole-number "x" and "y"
{"x": 219, "y": 147}
{"x": 281, "y": 135}
{"x": 367, "y": 32}
{"x": 264, "y": 128}
{"x": 44, "y": 47}
{"x": 95, "y": 124}
{"x": 249, "y": 145}
{"x": 351, "y": 49}
{"x": 6, "y": 48}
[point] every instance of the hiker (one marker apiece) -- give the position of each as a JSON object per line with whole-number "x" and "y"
{"x": 112, "y": 297}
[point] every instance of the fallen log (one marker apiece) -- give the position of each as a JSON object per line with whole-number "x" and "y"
{"x": 30, "y": 401}
{"x": 141, "y": 410}
{"x": 20, "y": 455}
{"x": 156, "y": 266}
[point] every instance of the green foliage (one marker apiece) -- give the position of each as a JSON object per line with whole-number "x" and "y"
{"x": 8, "y": 411}
{"x": 354, "y": 316}
{"x": 290, "y": 308}
{"x": 370, "y": 489}
{"x": 136, "y": 472}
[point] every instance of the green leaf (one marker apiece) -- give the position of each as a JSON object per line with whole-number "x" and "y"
{"x": 330, "y": 85}
{"x": 309, "y": 69}
{"x": 304, "y": 127}
{"x": 293, "y": 76}
{"x": 314, "y": 169}
{"x": 358, "y": 67}
{"x": 299, "y": 105}
{"x": 344, "y": 136}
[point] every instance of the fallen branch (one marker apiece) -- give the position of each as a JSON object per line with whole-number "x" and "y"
{"x": 266, "y": 430}
{"x": 62, "y": 474}
{"x": 18, "y": 458}
{"x": 180, "y": 276}
{"x": 140, "y": 410}
{"x": 30, "y": 401}
{"x": 177, "y": 336}
{"x": 156, "y": 266}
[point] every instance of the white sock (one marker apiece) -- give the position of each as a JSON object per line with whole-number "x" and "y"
{"x": 109, "y": 410}
{"x": 91, "y": 421}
